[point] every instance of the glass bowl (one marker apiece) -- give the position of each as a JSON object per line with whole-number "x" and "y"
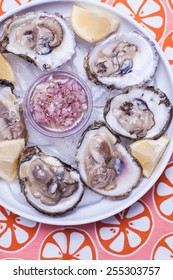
{"x": 57, "y": 77}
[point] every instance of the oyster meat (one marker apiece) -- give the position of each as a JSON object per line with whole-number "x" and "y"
{"x": 140, "y": 112}
{"x": 105, "y": 165}
{"x": 41, "y": 38}
{"x": 12, "y": 123}
{"x": 122, "y": 60}
{"x": 49, "y": 185}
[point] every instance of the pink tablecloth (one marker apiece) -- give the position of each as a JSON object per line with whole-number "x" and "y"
{"x": 145, "y": 230}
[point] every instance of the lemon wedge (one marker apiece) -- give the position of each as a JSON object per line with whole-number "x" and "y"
{"x": 92, "y": 26}
{"x": 8, "y": 171}
{"x": 149, "y": 152}
{"x": 10, "y": 151}
{"x": 6, "y": 71}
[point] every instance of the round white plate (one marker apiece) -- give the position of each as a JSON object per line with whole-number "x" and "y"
{"x": 92, "y": 207}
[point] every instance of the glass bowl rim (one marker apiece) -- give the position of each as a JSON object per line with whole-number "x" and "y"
{"x": 54, "y": 133}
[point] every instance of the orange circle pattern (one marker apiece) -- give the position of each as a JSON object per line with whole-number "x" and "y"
{"x": 163, "y": 193}
{"x": 15, "y": 231}
{"x": 150, "y": 14}
{"x": 68, "y": 244}
{"x": 171, "y": 3}
{"x": 124, "y": 233}
{"x": 164, "y": 248}
{"x": 168, "y": 47}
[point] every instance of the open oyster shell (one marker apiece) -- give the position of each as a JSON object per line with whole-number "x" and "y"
{"x": 49, "y": 185}
{"x": 12, "y": 123}
{"x": 139, "y": 112}
{"x": 105, "y": 165}
{"x": 41, "y": 38}
{"x": 122, "y": 60}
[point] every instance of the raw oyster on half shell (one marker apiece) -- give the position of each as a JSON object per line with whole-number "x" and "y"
{"x": 140, "y": 112}
{"x": 122, "y": 60}
{"x": 105, "y": 165}
{"x": 49, "y": 185}
{"x": 42, "y": 38}
{"x": 12, "y": 123}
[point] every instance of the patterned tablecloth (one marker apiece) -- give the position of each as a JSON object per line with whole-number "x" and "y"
{"x": 143, "y": 231}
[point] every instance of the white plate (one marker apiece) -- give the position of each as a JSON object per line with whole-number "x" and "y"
{"x": 93, "y": 207}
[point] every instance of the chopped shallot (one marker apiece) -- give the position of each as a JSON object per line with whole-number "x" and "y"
{"x": 58, "y": 104}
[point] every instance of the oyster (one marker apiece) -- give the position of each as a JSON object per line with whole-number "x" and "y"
{"x": 122, "y": 60}
{"x": 49, "y": 185}
{"x": 12, "y": 123}
{"x": 140, "y": 112}
{"x": 105, "y": 165}
{"x": 39, "y": 37}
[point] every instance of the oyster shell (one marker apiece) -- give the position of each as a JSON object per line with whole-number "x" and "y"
{"x": 49, "y": 185}
{"x": 140, "y": 112}
{"x": 105, "y": 165}
{"x": 122, "y": 60}
{"x": 12, "y": 123}
{"x": 41, "y": 38}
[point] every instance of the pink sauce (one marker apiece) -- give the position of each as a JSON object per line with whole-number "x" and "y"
{"x": 58, "y": 104}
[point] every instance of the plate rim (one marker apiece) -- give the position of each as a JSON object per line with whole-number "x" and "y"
{"x": 45, "y": 219}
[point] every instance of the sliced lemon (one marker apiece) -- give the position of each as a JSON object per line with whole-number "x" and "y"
{"x": 92, "y": 26}
{"x": 149, "y": 152}
{"x": 6, "y": 71}
{"x": 8, "y": 171}
{"x": 10, "y": 150}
